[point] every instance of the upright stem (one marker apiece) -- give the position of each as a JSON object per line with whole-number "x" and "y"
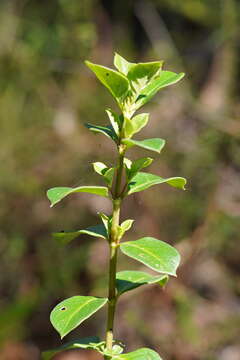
{"x": 114, "y": 243}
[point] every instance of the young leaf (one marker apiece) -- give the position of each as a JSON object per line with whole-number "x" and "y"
{"x": 143, "y": 181}
{"x": 140, "y": 354}
{"x": 71, "y": 312}
{"x": 139, "y": 121}
{"x": 141, "y": 74}
{"x": 165, "y": 78}
{"x": 114, "y": 81}
{"x": 137, "y": 165}
{"x": 96, "y": 231}
{"x": 129, "y": 280}
{"x": 107, "y": 220}
{"x": 107, "y": 173}
{"x": 128, "y": 128}
{"x": 115, "y": 120}
{"x": 125, "y": 226}
{"x": 105, "y": 130}
{"x": 121, "y": 64}
{"x": 155, "y": 144}
{"x": 58, "y": 193}
{"x": 155, "y": 254}
{"x": 85, "y": 343}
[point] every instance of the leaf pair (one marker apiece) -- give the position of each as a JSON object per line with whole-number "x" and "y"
{"x": 134, "y": 84}
{"x": 95, "y": 344}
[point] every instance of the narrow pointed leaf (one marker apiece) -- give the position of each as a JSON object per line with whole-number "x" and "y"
{"x": 140, "y": 354}
{"x": 58, "y": 193}
{"x": 155, "y": 144}
{"x": 107, "y": 173}
{"x": 85, "y": 343}
{"x": 114, "y": 120}
{"x": 155, "y": 254}
{"x": 64, "y": 237}
{"x": 137, "y": 165}
{"x": 71, "y": 312}
{"x": 107, "y": 220}
{"x": 114, "y": 81}
{"x": 122, "y": 64}
{"x": 165, "y": 78}
{"x": 129, "y": 280}
{"x": 105, "y": 130}
{"x": 143, "y": 181}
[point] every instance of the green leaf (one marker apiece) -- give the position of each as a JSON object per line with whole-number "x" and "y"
{"x": 107, "y": 221}
{"x": 155, "y": 144}
{"x": 71, "y": 312}
{"x": 58, "y": 193}
{"x": 85, "y": 343}
{"x": 128, "y": 128}
{"x": 96, "y": 231}
{"x": 140, "y": 74}
{"x": 125, "y": 226}
{"x": 143, "y": 181}
{"x": 137, "y": 165}
{"x": 128, "y": 280}
{"x": 115, "y": 120}
{"x": 105, "y": 130}
{"x": 121, "y": 64}
{"x": 165, "y": 78}
{"x": 140, "y": 354}
{"x": 155, "y": 254}
{"x": 114, "y": 81}
{"x": 139, "y": 121}
{"x": 99, "y": 167}
{"x": 107, "y": 173}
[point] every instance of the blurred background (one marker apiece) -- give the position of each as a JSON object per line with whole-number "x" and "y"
{"x": 46, "y": 94}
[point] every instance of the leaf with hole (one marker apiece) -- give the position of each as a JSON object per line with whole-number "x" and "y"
{"x": 114, "y": 81}
{"x": 140, "y": 354}
{"x": 105, "y": 130}
{"x": 64, "y": 237}
{"x": 85, "y": 343}
{"x": 129, "y": 280}
{"x": 165, "y": 78}
{"x": 154, "y": 253}
{"x": 71, "y": 312}
{"x": 58, "y": 193}
{"x": 155, "y": 144}
{"x": 143, "y": 181}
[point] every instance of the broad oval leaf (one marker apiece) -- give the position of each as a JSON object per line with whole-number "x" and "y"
{"x": 71, "y": 312}
{"x": 155, "y": 144}
{"x": 140, "y": 74}
{"x": 105, "y": 130}
{"x": 85, "y": 343}
{"x": 165, "y": 78}
{"x": 58, "y": 193}
{"x": 140, "y": 354}
{"x": 143, "y": 181}
{"x": 154, "y": 253}
{"x": 64, "y": 237}
{"x": 114, "y": 81}
{"x": 129, "y": 280}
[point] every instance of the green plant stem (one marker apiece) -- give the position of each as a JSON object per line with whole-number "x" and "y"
{"x": 114, "y": 243}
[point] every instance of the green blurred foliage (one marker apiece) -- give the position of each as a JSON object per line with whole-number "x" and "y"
{"x": 46, "y": 96}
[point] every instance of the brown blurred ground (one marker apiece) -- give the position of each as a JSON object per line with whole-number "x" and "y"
{"x": 46, "y": 96}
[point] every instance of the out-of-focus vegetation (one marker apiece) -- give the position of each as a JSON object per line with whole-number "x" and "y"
{"x": 46, "y": 96}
